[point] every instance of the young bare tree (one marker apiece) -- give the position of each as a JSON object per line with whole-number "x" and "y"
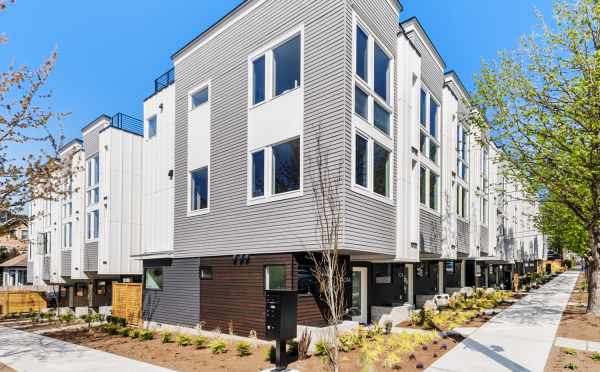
{"x": 30, "y": 167}
{"x": 329, "y": 269}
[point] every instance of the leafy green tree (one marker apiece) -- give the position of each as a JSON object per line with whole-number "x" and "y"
{"x": 564, "y": 230}
{"x": 542, "y": 105}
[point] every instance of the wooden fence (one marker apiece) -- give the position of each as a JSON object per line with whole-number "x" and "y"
{"x": 127, "y": 302}
{"x": 16, "y": 302}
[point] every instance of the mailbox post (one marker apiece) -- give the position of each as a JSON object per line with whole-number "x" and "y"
{"x": 281, "y": 322}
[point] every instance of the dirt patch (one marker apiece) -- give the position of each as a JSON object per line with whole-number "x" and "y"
{"x": 559, "y": 359}
{"x": 5, "y": 368}
{"x": 575, "y": 322}
{"x": 190, "y": 359}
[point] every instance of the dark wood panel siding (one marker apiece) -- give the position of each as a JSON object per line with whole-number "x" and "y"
{"x": 179, "y": 301}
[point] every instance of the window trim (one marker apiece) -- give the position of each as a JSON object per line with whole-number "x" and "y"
{"x": 369, "y": 190}
{"x": 267, "y": 51}
{"x": 427, "y": 205}
{"x": 201, "y": 211}
{"x": 97, "y": 287}
{"x": 426, "y": 130}
{"x": 89, "y": 234}
{"x": 162, "y": 284}
{"x": 211, "y": 277}
{"x": 90, "y": 173}
{"x": 155, "y": 117}
{"x": 198, "y": 89}
{"x": 285, "y": 276}
{"x": 268, "y": 195}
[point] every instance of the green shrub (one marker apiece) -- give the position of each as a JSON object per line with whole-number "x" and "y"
{"x": 349, "y": 342}
{"x": 183, "y": 340}
{"x": 135, "y": 333}
{"x": 165, "y": 337}
{"x": 292, "y": 347}
{"x": 200, "y": 342}
{"x": 116, "y": 320}
{"x": 321, "y": 348}
{"x": 110, "y": 328}
{"x": 243, "y": 348}
{"x": 570, "y": 351}
{"x": 596, "y": 357}
{"x": 146, "y": 335}
{"x": 572, "y": 366}
{"x": 270, "y": 354}
{"x": 218, "y": 346}
{"x": 124, "y": 331}
{"x": 67, "y": 318}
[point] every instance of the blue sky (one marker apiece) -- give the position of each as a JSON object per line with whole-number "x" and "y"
{"x": 111, "y": 51}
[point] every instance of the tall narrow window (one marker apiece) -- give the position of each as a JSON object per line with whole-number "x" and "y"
{"x": 382, "y": 72}
{"x": 381, "y": 170}
{"x": 152, "y": 127}
{"x": 381, "y": 118}
{"x": 361, "y": 103}
{"x": 362, "y": 54}
{"x": 96, "y": 214}
{"x": 361, "y": 166}
{"x": 286, "y": 66}
{"x": 286, "y": 166}
{"x": 258, "y": 174}
{"x": 433, "y": 108}
{"x": 423, "y": 186}
{"x": 433, "y": 190}
{"x": 199, "y": 98}
{"x": 258, "y": 91}
{"x": 433, "y": 152}
{"x": 423, "y": 108}
{"x": 199, "y": 186}
{"x": 275, "y": 277}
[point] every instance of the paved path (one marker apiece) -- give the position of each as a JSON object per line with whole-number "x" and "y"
{"x": 518, "y": 339}
{"x": 29, "y": 352}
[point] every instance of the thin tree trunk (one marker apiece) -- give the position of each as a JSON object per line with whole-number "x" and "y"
{"x": 594, "y": 270}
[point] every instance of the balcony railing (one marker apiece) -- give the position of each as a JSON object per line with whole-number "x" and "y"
{"x": 164, "y": 80}
{"x": 128, "y": 124}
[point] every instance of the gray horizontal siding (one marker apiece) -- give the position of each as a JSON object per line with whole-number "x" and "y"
{"x": 463, "y": 236}
{"x": 66, "y": 263}
{"x": 90, "y": 257}
{"x": 430, "y": 232}
{"x": 91, "y": 142}
{"x": 29, "y": 271}
{"x": 46, "y": 268}
{"x": 232, "y": 226}
{"x": 179, "y": 300}
{"x": 431, "y": 74}
{"x": 484, "y": 240}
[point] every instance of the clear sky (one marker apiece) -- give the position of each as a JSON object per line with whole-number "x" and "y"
{"x": 111, "y": 51}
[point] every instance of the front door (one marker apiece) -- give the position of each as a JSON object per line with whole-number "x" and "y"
{"x": 359, "y": 294}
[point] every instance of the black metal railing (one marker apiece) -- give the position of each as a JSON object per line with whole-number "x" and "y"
{"x": 128, "y": 124}
{"x": 164, "y": 80}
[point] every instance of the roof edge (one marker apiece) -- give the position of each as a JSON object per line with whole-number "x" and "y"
{"x": 427, "y": 39}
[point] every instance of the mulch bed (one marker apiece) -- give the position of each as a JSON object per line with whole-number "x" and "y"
{"x": 576, "y": 322}
{"x": 4, "y": 368}
{"x": 188, "y": 358}
{"x": 559, "y": 359}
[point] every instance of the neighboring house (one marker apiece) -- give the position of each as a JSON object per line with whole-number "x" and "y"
{"x": 82, "y": 241}
{"x": 14, "y": 233}
{"x": 13, "y": 272}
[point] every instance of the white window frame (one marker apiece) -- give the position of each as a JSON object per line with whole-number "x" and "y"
{"x": 369, "y": 190}
{"x": 67, "y": 235}
{"x": 202, "y": 211}
{"x": 92, "y": 163}
{"x": 91, "y": 235}
{"x": 484, "y": 203}
{"x": 368, "y": 87}
{"x": 155, "y": 117}
{"x": 426, "y": 130}
{"x": 269, "y": 196}
{"x": 267, "y": 52}
{"x": 427, "y": 205}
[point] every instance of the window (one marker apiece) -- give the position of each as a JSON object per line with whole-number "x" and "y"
{"x": 152, "y": 127}
{"x": 423, "y": 143}
{"x": 206, "y": 273}
{"x": 259, "y": 80}
{"x": 80, "y": 290}
{"x": 24, "y": 234}
{"x": 381, "y": 118}
{"x": 429, "y": 144}
{"x": 382, "y": 72}
{"x": 362, "y": 159}
{"x": 462, "y": 162}
{"x": 93, "y": 224}
{"x": 428, "y": 188}
{"x": 423, "y": 108}
{"x": 433, "y": 112}
{"x": 199, "y": 98}
{"x": 275, "y": 277}
{"x": 383, "y": 273}
{"x": 286, "y": 166}
{"x": 67, "y": 209}
{"x": 199, "y": 189}
{"x": 423, "y": 186}
{"x": 381, "y": 170}
{"x": 13, "y": 234}
{"x": 93, "y": 180}
{"x": 63, "y": 292}
{"x": 361, "y": 103}
{"x": 484, "y": 185}
{"x": 258, "y": 174}
{"x": 286, "y": 66}
{"x": 461, "y": 201}
{"x": 362, "y": 54}
{"x": 101, "y": 287}
{"x": 433, "y": 152}
{"x": 433, "y": 190}
{"x": 153, "y": 278}
{"x": 67, "y": 235}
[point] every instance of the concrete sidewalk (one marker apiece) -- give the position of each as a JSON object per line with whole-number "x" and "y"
{"x": 518, "y": 339}
{"x": 26, "y": 352}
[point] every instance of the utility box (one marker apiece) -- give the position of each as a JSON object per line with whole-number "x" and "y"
{"x": 281, "y": 315}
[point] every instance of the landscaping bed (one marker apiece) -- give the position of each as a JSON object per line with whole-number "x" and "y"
{"x": 575, "y": 322}
{"x": 359, "y": 350}
{"x": 561, "y": 359}
{"x": 4, "y": 368}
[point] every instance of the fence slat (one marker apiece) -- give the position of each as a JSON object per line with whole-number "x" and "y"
{"x": 127, "y": 302}
{"x": 14, "y": 302}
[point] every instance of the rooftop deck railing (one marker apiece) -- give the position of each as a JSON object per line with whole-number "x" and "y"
{"x": 164, "y": 80}
{"x": 128, "y": 123}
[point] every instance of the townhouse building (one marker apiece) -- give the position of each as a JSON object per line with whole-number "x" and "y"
{"x": 82, "y": 240}
{"x": 209, "y": 199}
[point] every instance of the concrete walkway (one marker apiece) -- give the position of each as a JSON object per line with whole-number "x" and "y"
{"x": 26, "y": 352}
{"x": 518, "y": 339}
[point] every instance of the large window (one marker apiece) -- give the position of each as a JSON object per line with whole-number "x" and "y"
{"x": 484, "y": 185}
{"x": 93, "y": 180}
{"x": 275, "y": 170}
{"x": 276, "y": 71}
{"x": 462, "y": 163}
{"x": 93, "y": 224}
{"x": 372, "y": 162}
{"x": 199, "y": 98}
{"x": 275, "y": 277}
{"x": 429, "y": 124}
{"x": 152, "y": 127}
{"x": 461, "y": 201}
{"x": 153, "y": 278}
{"x": 372, "y": 101}
{"x": 429, "y": 187}
{"x": 199, "y": 189}
{"x": 67, "y": 235}
{"x": 286, "y": 166}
